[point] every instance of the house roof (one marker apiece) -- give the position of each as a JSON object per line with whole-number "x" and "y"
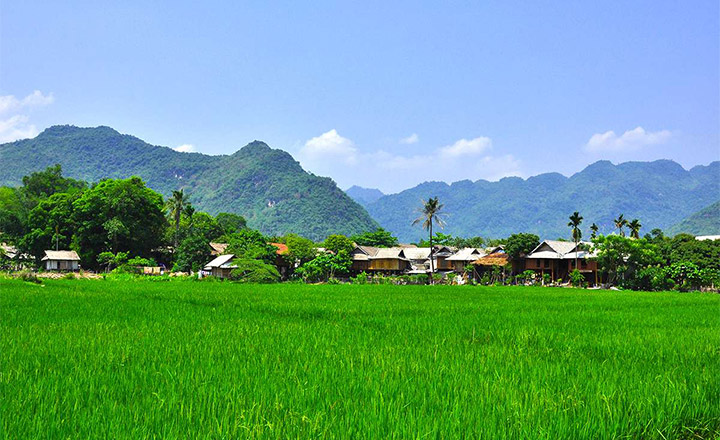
{"x": 417, "y": 253}
{"x": 218, "y": 248}
{"x": 557, "y": 250}
{"x": 224, "y": 261}
{"x": 282, "y": 248}
{"x": 466, "y": 254}
{"x": 61, "y": 255}
{"x": 496, "y": 259}
{"x": 393, "y": 253}
{"x": 9, "y": 251}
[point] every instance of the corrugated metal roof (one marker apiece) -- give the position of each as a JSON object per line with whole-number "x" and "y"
{"x": 220, "y": 261}
{"x": 466, "y": 254}
{"x": 61, "y": 255}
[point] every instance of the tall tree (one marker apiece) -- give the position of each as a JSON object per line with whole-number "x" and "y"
{"x": 594, "y": 228}
{"x": 175, "y": 206}
{"x": 634, "y": 227}
{"x": 430, "y": 213}
{"x": 620, "y": 223}
{"x": 575, "y": 221}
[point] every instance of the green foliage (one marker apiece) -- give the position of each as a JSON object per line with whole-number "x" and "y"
{"x": 231, "y": 223}
{"x": 378, "y": 238}
{"x": 703, "y": 222}
{"x": 118, "y": 215}
{"x": 51, "y": 223}
{"x": 325, "y": 266}
{"x": 521, "y": 244}
{"x": 251, "y": 244}
{"x": 621, "y": 258}
{"x": 337, "y": 243}
{"x": 300, "y": 249}
{"x": 254, "y": 271}
{"x": 526, "y": 276}
{"x": 576, "y": 278}
{"x": 266, "y": 186}
{"x": 192, "y": 254}
{"x": 440, "y": 239}
{"x": 43, "y": 184}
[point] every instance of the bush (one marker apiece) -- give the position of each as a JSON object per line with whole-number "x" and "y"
{"x": 576, "y": 278}
{"x": 254, "y": 271}
{"x": 361, "y": 278}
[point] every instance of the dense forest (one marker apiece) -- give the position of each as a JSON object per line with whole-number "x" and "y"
{"x": 264, "y": 185}
{"x": 661, "y": 192}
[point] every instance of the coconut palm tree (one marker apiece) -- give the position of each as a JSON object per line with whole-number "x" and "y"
{"x": 175, "y": 206}
{"x": 430, "y": 212}
{"x": 620, "y": 223}
{"x": 594, "y": 228}
{"x": 575, "y": 221}
{"x": 634, "y": 227}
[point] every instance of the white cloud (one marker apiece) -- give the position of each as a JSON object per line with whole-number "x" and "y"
{"x": 412, "y": 139}
{"x": 631, "y": 140}
{"x": 14, "y": 121}
{"x": 185, "y": 148}
{"x": 465, "y": 147}
{"x": 335, "y": 156}
{"x": 331, "y": 146}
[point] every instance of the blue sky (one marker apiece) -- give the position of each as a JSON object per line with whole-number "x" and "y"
{"x": 379, "y": 94}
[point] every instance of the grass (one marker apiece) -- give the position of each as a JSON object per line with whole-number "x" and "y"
{"x": 136, "y": 359}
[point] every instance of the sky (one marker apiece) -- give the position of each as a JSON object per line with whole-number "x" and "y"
{"x": 378, "y": 94}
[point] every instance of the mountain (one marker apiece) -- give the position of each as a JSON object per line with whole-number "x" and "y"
{"x": 704, "y": 222}
{"x": 364, "y": 196}
{"x": 265, "y": 185}
{"x": 659, "y": 193}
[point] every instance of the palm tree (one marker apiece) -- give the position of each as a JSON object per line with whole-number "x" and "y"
{"x": 430, "y": 213}
{"x": 575, "y": 220}
{"x": 634, "y": 227}
{"x": 620, "y": 223}
{"x": 594, "y": 228}
{"x": 175, "y": 205}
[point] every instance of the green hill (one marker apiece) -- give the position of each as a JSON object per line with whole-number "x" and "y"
{"x": 704, "y": 222}
{"x": 265, "y": 185}
{"x": 659, "y": 193}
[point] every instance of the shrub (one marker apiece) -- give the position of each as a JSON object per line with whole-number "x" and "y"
{"x": 361, "y": 278}
{"x": 29, "y": 277}
{"x": 254, "y": 271}
{"x": 576, "y": 278}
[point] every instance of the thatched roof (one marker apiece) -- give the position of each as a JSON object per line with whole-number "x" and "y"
{"x": 218, "y": 248}
{"x": 496, "y": 259}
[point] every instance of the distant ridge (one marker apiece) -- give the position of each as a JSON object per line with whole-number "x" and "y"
{"x": 704, "y": 222}
{"x": 659, "y": 193}
{"x": 265, "y": 185}
{"x": 364, "y": 195}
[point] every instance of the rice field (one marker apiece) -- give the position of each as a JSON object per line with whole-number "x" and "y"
{"x": 183, "y": 359}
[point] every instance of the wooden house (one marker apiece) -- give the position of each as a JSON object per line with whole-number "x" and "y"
{"x": 61, "y": 261}
{"x": 389, "y": 260}
{"x": 557, "y": 258}
{"x": 464, "y": 257}
{"x": 221, "y": 266}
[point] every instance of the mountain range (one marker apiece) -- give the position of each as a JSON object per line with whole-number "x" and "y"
{"x": 267, "y": 186}
{"x": 660, "y": 194}
{"x": 277, "y": 196}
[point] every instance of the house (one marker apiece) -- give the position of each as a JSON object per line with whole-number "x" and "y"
{"x": 497, "y": 258}
{"x": 389, "y": 260}
{"x": 61, "y": 260}
{"x": 221, "y": 266}
{"x": 361, "y": 258}
{"x": 464, "y": 257}
{"x": 281, "y": 262}
{"x": 557, "y": 258}
{"x": 440, "y": 258}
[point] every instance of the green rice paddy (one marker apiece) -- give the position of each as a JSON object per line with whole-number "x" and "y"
{"x": 182, "y": 359}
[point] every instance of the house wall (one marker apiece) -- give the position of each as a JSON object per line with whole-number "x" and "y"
{"x": 360, "y": 266}
{"x": 443, "y": 264}
{"x": 387, "y": 264}
{"x": 62, "y": 265}
{"x": 221, "y": 272}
